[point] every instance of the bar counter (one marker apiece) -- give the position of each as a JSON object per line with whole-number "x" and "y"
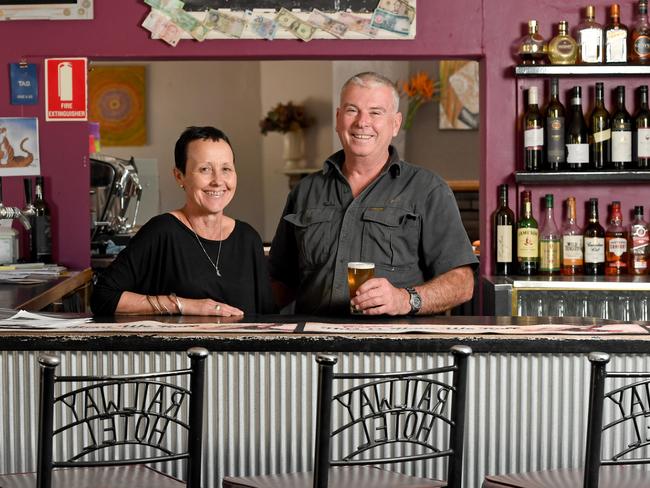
{"x": 527, "y": 393}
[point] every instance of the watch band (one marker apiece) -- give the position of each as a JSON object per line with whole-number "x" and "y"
{"x": 415, "y": 300}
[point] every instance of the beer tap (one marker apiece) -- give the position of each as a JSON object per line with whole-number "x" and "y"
{"x": 16, "y": 213}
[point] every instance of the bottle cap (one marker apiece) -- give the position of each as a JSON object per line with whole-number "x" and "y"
{"x": 590, "y": 11}
{"x": 563, "y": 27}
{"x": 638, "y": 210}
{"x": 532, "y": 26}
{"x": 614, "y": 10}
{"x": 549, "y": 200}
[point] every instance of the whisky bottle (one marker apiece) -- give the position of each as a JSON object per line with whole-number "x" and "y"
{"x": 549, "y": 241}
{"x": 563, "y": 49}
{"x": 504, "y": 235}
{"x": 533, "y": 133}
{"x": 616, "y": 243}
{"x": 621, "y": 133}
{"x": 590, "y": 38}
{"x": 641, "y": 131}
{"x": 639, "y": 50}
{"x": 531, "y": 47}
{"x": 638, "y": 244}
{"x": 577, "y": 143}
{"x": 527, "y": 239}
{"x": 42, "y": 230}
{"x": 594, "y": 242}
{"x": 554, "y": 130}
{"x": 615, "y": 37}
{"x": 572, "y": 242}
{"x": 600, "y": 134}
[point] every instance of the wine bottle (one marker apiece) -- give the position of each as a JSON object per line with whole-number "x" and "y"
{"x": 527, "y": 239}
{"x": 549, "y": 241}
{"x": 533, "y": 133}
{"x": 600, "y": 134}
{"x": 572, "y": 242}
{"x": 504, "y": 235}
{"x": 41, "y": 230}
{"x": 577, "y": 156}
{"x": 563, "y": 49}
{"x": 615, "y": 37}
{"x": 641, "y": 131}
{"x": 616, "y": 237}
{"x": 590, "y": 37}
{"x": 639, "y": 239}
{"x": 639, "y": 50}
{"x": 554, "y": 131}
{"x": 621, "y": 133}
{"x": 594, "y": 242}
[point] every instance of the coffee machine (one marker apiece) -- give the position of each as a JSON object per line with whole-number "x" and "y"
{"x": 115, "y": 193}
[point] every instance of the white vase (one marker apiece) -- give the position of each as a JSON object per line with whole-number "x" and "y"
{"x": 293, "y": 150}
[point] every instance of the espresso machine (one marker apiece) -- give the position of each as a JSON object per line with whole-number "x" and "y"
{"x": 115, "y": 194}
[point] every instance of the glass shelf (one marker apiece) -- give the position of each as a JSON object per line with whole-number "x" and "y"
{"x": 572, "y": 177}
{"x": 583, "y": 70}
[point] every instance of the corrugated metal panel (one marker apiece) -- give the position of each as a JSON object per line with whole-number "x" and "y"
{"x": 525, "y": 411}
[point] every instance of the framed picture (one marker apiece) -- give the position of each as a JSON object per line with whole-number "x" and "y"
{"x": 459, "y": 102}
{"x": 46, "y": 9}
{"x": 19, "y": 151}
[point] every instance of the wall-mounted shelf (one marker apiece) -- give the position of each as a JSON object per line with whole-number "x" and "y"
{"x": 573, "y": 177}
{"x": 583, "y": 70}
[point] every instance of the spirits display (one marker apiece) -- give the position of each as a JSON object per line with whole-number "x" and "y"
{"x": 577, "y": 144}
{"x": 563, "y": 49}
{"x": 531, "y": 47}
{"x": 600, "y": 134}
{"x": 621, "y": 133}
{"x": 549, "y": 241}
{"x": 616, "y": 243}
{"x": 594, "y": 242}
{"x": 590, "y": 38}
{"x": 638, "y": 244}
{"x": 641, "y": 131}
{"x": 572, "y": 242}
{"x": 533, "y": 133}
{"x": 615, "y": 37}
{"x": 527, "y": 239}
{"x": 639, "y": 51}
{"x": 504, "y": 235}
{"x": 554, "y": 130}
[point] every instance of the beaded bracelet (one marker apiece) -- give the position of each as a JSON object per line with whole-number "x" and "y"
{"x": 177, "y": 300}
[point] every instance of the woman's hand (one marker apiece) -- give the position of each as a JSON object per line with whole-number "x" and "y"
{"x": 207, "y": 307}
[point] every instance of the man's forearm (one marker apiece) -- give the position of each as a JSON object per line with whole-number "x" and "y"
{"x": 446, "y": 290}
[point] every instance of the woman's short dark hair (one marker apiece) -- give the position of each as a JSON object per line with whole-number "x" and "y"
{"x": 193, "y": 134}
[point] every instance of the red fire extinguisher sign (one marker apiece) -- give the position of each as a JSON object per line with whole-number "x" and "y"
{"x": 66, "y": 89}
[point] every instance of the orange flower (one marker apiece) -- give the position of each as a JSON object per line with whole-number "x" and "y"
{"x": 420, "y": 89}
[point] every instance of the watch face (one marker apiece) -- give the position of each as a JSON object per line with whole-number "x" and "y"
{"x": 415, "y": 300}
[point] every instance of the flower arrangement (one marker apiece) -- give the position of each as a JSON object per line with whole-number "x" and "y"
{"x": 419, "y": 89}
{"x": 285, "y": 118}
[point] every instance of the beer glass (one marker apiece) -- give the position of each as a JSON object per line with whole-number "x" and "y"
{"x": 358, "y": 274}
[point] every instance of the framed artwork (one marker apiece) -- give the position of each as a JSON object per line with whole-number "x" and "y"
{"x": 19, "y": 150}
{"x": 459, "y": 102}
{"x": 117, "y": 103}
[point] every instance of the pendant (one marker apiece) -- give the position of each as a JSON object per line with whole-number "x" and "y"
{"x": 217, "y": 270}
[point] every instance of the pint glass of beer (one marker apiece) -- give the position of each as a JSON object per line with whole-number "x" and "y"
{"x": 358, "y": 274}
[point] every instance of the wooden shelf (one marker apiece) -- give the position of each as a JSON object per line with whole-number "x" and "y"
{"x": 572, "y": 177}
{"x": 622, "y": 69}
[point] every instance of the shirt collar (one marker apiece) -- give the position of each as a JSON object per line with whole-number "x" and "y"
{"x": 394, "y": 165}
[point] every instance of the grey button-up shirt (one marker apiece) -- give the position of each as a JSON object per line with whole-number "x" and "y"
{"x": 406, "y": 222}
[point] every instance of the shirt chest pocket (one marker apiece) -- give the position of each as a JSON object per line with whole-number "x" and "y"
{"x": 390, "y": 237}
{"x": 313, "y": 231}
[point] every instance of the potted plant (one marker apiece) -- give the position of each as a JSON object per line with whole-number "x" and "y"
{"x": 289, "y": 119}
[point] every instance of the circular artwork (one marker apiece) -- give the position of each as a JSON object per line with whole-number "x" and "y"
{"x": 117, "y": 102}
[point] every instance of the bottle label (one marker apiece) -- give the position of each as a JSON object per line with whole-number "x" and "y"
{"x": 572, "y": 250}
{"x": 622, "y": 146}
{"x": 591, "y": 40}
{"x": 577, "y": 153}
{"x": 534, "y": 138}
{"x": 42, "y": 236}
{"x": 527, "y": 242}
{"x": 643, "y": 143}
{"x": 556, "y": 151}
{"x": 616, "y": 46}
{"x": 617, "y": 246}
{"x": 504, "y": 243}
{"x": 642, "y": 47}
{"x": 565, "y": 48}
{"x": 639, "y": 240}
{"x": 549, "y": 255}
{"x": 602, "y": 136}
{"x": 594, "y": 249}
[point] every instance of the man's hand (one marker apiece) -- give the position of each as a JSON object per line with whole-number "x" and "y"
{"x": 377, "y": 296}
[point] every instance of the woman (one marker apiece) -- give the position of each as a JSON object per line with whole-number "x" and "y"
{"x": 194, "y": 260}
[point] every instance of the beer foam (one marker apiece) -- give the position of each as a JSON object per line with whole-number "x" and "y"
{"x": 361, "y": 265}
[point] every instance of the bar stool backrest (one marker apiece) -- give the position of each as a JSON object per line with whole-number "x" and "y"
{"x": 628, "y": 402}
{"x": 391, "y": 417}
{"x": 122, "y": 419}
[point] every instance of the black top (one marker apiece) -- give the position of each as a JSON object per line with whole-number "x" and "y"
{"x": 164, "y": 257}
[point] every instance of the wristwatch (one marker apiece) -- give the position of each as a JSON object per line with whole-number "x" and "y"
{"x": 415, "y": 300}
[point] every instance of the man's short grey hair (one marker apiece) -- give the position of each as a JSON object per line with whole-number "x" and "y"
{"x": 370, "y": 79}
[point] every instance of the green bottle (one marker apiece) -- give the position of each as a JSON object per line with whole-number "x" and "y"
{"x": 527, "y": 239}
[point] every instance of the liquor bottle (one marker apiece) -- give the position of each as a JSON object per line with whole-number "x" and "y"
{"x": 616, "y": 243}
{"x": 615, "y": 37}
{"x": 549, "y": 241}
{"x": 594, "y": 242}
{"x": 572, "y": 242}
{"x": 504, "y": 235}
{"x": 577, "y": 145}
{"x": 533, "y": 133}
{"x": 527, "y": 239}
{"x": 638, "y": 244}
{"x": 554, "y": 130}
{"x": 639, "y": 50}
{"x": 563, "y": 49}
{"x": 621, "y": 133}
{"x": 29, "y": 210}
{"x": 600, "y": 134}
{"x": 590, "y": 38}
{"x": 531, "y": 46}
{"x": 641, "y": 131}
{"x": 41, "y": 230}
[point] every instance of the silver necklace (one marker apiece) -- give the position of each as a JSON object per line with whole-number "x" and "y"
{"x": 214, "y": 265}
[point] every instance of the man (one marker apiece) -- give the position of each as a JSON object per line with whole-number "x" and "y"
{"x": 368, "y": 205}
